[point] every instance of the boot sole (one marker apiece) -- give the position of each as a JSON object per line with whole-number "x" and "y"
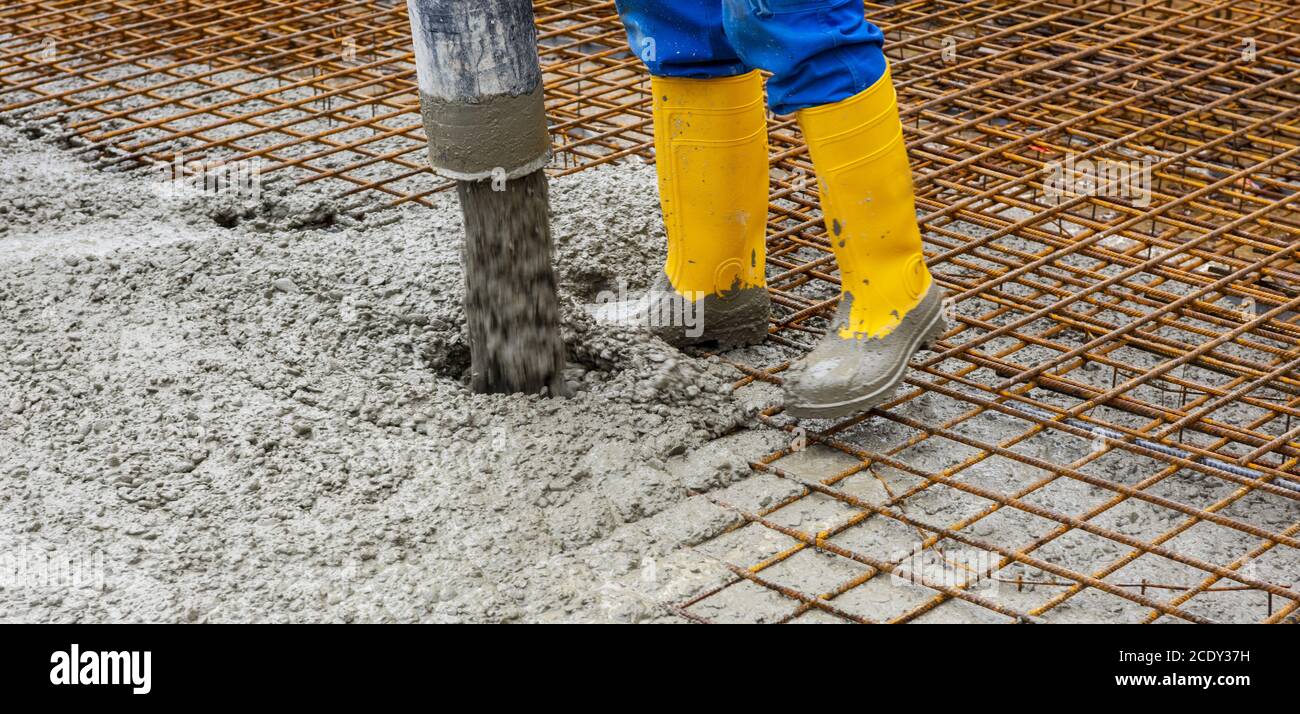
{"x": 730, "y": 339}
{"x": 924, "y": 338}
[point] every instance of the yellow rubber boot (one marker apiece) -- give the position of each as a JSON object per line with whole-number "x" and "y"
{"x": 889, "y": 306}
{"x": 711, "y": 148}
{"x": 711, "y": 145}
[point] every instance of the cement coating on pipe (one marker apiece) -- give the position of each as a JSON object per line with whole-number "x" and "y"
{"x": 500, "y": 137}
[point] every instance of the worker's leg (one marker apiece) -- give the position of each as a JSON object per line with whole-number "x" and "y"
{"x": 710, "y": 130}
{"x": 829, "y": 69}
{"x": 818, "y": 51}
{"x": 680, "y": 38}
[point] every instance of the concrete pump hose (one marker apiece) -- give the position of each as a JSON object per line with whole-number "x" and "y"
{"x": 481, "y": 92}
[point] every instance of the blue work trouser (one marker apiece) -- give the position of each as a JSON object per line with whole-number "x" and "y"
{"x": 818, "y": 51}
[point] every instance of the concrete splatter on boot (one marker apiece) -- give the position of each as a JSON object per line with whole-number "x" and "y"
{"x": 890, "y": 305}
{"x": 842, "y": 376}
{"x": 735, "y": 318}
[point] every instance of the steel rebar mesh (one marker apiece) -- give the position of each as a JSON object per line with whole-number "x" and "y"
{"x": 1106, "y": 341}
